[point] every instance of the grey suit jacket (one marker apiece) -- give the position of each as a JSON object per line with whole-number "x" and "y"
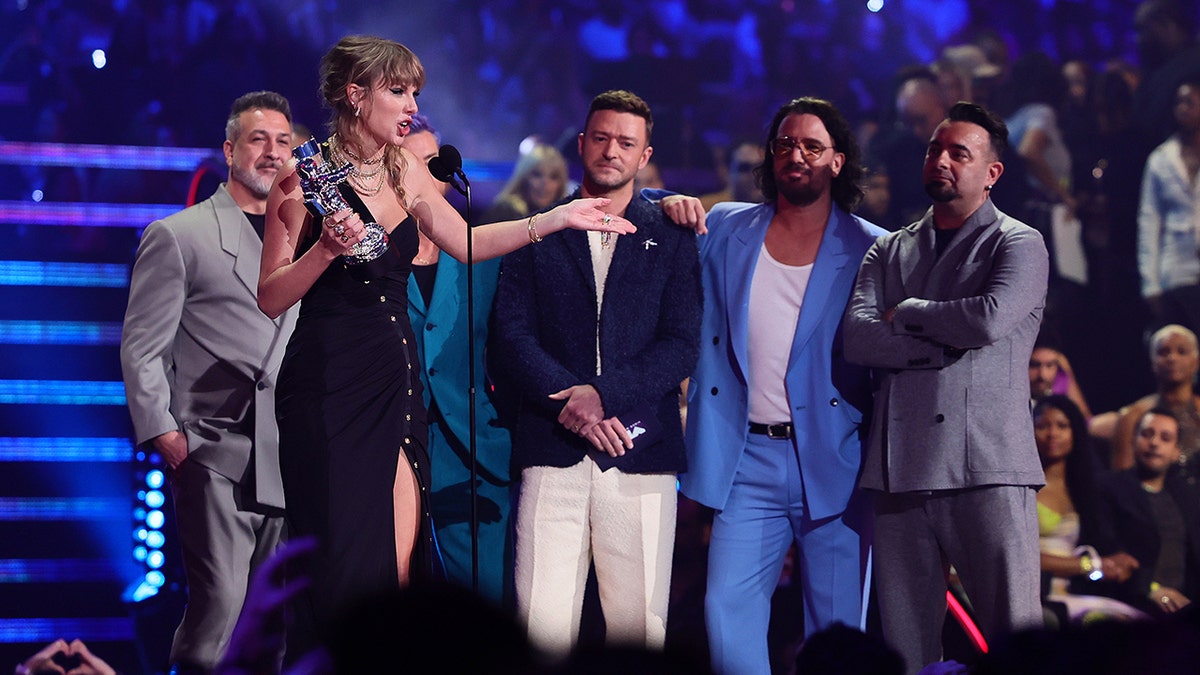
{"x": 196, "y": 352}
{"x": 952, "y": 407}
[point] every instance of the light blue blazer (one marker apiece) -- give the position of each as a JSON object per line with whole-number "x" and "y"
{"x": 827, "y": 395}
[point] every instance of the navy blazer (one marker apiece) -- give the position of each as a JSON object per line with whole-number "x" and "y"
{"x": 545, "y": 327}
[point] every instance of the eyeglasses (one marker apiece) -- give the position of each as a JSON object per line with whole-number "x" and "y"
{"x": 784, "y": 146}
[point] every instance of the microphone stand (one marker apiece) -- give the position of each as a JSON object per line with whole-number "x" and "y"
{"x": 465, "y": 190}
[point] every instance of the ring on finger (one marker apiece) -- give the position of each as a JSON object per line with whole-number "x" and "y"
{"x": 345, "y": 238}
{"x": 339, "y": 229}
{"x": 607, "y": 219}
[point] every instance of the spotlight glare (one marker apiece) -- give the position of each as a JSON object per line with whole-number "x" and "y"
{"x": 38, "y": 195}
{"x": 99, "y": 58}
{"x": 154, "y": 479}
{"x": 141, "y": 534}
{"x": 139, "y": 553}
{"x": 155, "y": 559}
{"x": 155, "y": 519}
{"x": 156, "y": 578}
{"x": 154, "y": 499}
{"x": 155, "y": 539}
{"x": 874, "y": 5}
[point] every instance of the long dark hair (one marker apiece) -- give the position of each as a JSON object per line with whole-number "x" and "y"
{"x": 1082, "y": 469}
{"x": 845, "y": 188}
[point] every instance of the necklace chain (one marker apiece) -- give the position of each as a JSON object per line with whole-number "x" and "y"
{"x": 365, "y": 183}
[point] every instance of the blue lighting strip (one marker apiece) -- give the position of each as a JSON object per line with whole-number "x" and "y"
{"x": 83, "y": 214}
{"x": 41, "y": 570}
{"x": 106, "y": 156}
{"x": 36, "y": 273}
{"x": 56, "y": 508}
{"x": 41, "y": 631}
{"x": 60, "y": 333}
{"x": 61, "y": 392}
{"x": 66, "y": 450}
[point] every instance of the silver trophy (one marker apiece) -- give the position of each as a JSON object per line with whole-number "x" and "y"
{"x": 319, "y": 182}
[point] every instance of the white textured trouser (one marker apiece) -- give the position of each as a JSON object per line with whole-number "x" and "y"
{"x": 626, "y": 522}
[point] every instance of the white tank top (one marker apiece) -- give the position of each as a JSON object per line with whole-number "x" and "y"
{"x": 776, "y": 295}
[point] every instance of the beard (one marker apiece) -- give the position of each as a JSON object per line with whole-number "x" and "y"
{"x": 941, "y": 191}
{"x": 257, "y": 184}
{"x": 803, "y": 193}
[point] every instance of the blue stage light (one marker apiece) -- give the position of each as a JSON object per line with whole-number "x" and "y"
{"x": 141, "y": 533}
{"x": 139, "y": 514}
{"x": 874, "y": 5}
{"x": 155, "y": 559}
{"x": 154, "y": 478}
{"x": 139, "y": 553}
{"x": 99, "y": 58}
{"x": 156, "y": 539}
{"x": 141, "y": 495}
{"x": 154, "y": 499}
{"x": 155, "y": 519}
{"x": 156, "y": 578}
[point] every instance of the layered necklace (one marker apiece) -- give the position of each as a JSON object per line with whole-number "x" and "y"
{"x": 366, "y": 181}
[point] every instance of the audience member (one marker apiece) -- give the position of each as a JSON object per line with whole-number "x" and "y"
{"x": 1050, "y": 373}
{"x": 876, "y": 204}
{"x": 841, "y": 650}
{"x": 1155, "y": 515}
{"x": 737, "y": 171}
{"x": 202, "y": 395}
{"x": 950, "y": 307}
{"x": 1169, "y": 55}
{"x": 919, "y": 109}
{"x": 598, "y": 437}
{"x": 1168, "y": 244}
{"x": 1069, "y": 518}
{"x": 775, "y": 413}
{"x": 437, "y": 300}
{"x": 538, "y": 181}
{"x": 63, "y": 658}
{"x": 648, "y": 177}
{"x": 1175, "y": 359}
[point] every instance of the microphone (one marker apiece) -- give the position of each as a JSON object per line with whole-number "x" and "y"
{"x": 447, "y": 165}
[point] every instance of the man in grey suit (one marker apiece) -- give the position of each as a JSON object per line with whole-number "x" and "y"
{"x": 948, "y": 309}
{"x": 200, "y": 361}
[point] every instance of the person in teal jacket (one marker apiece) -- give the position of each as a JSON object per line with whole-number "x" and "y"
{"x": 437, "y": 307}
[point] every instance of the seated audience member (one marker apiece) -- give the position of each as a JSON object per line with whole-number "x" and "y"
{"x": 841, "y": 650}
{"x": 538, "y": 182}
{"x": 1069, "y": 527}
{"x": 1050, "y": 373}
{"x": 877, "y": 197}
{"x": 740, "y": 185}
{"x": 1155, "y": 516}
{"x": 1175, "y": 359}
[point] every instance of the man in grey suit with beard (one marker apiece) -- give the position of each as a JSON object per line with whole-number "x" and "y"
{"x": 200, "y": 361}
{"x": 948, "y": 309}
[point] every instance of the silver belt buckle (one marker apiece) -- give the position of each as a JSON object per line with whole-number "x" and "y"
{"x": 780, "y": 435}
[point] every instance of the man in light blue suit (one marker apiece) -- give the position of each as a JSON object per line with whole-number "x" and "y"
{"x": 775, "y": 414}
{"x": 437, "y": 307}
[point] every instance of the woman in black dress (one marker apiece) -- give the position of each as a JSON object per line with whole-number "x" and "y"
{"x": 351, "y": 422}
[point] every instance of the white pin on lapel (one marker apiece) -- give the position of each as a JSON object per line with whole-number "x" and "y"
{"x": 648, "y": 243}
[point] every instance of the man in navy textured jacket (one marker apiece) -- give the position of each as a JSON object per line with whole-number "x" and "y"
{"x": 596, "y": 333}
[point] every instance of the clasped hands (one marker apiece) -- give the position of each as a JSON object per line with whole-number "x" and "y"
{"x": 583, "y": 415}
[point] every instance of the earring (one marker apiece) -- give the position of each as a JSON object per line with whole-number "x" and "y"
{"x": 357, "y": 109}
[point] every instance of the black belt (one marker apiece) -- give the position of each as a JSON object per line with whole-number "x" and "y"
{"x": 783, "y": 430}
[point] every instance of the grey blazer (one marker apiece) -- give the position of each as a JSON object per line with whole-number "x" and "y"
{"x": 196, "y": 352}
{"x": 952, "y": 406}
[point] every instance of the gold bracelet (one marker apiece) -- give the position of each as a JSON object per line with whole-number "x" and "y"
{"x": 1085, "y": 564}
{"x": 533, "y": 235}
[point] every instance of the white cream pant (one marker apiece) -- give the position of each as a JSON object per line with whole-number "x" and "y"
{"x": 566, "y": 517}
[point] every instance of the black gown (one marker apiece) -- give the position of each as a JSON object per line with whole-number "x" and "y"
{"x": 348, "y": 400}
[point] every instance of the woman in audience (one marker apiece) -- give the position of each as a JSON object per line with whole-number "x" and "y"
{"x": 538, "y": 181}
{"x": 1175, "y": 359}
{"x": 1068, "y": 516}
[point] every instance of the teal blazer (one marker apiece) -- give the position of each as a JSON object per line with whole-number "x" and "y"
{"x": 441, "y": 331}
